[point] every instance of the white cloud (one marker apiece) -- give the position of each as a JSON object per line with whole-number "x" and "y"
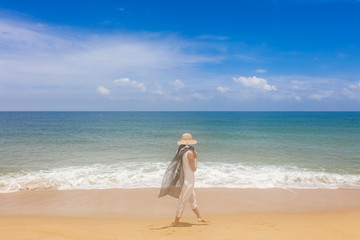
{"x": 353, "y": 91}
{"x": 40, "y": 61}
{"x": 166, "y": 95}
{"x": 198, "y": 96}
{"x": 298, "y": 85}
{"x": 222, "y": 89}
{"x": 321, "y": 95}
{"x": 103, "y": 90}
{"x": 178, "y": 84}
{"x": 62, "y": 60}
{"x": 132, "y": 83}
{"x": 261, "y": 70}
{"x": 355, "y": 86}
{"x": 41, "y": 49}
{"x": 159, "y": 92}
{"x": 350, "y": 93}
{"x": 255, "y": 82}
{"x": 15, "y": 35}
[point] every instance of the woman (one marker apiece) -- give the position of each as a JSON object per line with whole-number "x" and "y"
{"x": 179, "y": 177}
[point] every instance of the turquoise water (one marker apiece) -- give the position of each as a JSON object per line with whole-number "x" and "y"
{"x": 84, "y": 150}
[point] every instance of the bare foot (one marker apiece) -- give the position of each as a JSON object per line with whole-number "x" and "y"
{"x": 202, "y": 220}
{"x": 175, "y": 224}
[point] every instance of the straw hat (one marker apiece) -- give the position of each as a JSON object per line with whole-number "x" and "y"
{"x": 187, "y": 139}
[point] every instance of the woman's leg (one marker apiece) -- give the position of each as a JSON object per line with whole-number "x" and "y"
{"x": 200, "y": 219}
{"x": 194, "y": 207}
{"x": 185, "y": 194}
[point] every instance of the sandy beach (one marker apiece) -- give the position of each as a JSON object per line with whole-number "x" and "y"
{"x": 139, "y": 214}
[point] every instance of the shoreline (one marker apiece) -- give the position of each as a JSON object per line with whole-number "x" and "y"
{"x": 139, "y": 214}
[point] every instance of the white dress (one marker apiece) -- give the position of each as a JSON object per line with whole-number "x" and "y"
{"x": 187, "y": 191}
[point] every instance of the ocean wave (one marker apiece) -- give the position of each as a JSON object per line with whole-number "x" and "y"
{"x": 149, "y": 174}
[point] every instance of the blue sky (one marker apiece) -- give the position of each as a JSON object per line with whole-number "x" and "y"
{"x": 184, "y": 55}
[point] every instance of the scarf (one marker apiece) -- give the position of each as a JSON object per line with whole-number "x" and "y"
{"x": 174, "y": 175}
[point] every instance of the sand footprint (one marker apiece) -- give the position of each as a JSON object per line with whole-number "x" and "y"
{"x": 273, "y": 226}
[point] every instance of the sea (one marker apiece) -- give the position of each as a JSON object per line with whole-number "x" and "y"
{"x": 103, "y": 150}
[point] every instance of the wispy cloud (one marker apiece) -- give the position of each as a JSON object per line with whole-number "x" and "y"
{"x": 297, "y": 85}
{"x": 168, "y": 96}
{"x": 199, "y": 96}
{"x": 355, "y": 86}
{"x": 352, "y": 91}
{"x": 178, "y": 84}
{"x": 321, "y": 95}
{"x": 317, "y": 89}
{"x": 222, "y": 89}
{"x": 44, "y": 63}
{"x": 35, "y": 56}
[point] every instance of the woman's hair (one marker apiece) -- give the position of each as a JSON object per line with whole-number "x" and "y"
{"x": 174, "y": 175}
{"x": 182, "y": 146}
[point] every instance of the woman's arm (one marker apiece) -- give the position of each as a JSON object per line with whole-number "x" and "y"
{"x": 192, "y": 160}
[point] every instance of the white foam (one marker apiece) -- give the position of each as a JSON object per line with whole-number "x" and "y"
{"x": 240, "y": 176}
{"x": 149, "y": 174}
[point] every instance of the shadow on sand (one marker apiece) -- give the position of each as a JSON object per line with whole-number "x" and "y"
{"x": 183, "y": 224}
